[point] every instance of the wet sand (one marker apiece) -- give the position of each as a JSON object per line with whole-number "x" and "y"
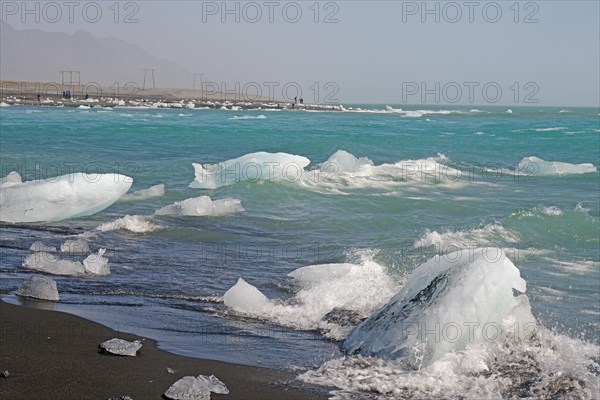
{"x": 54, "y": 355}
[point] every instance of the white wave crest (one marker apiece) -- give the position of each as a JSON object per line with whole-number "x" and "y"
{"x": 331, "y": 297}
{"x": 246, "y": 117}
{"x": 131, "y": 223}
{"x": 487, "y": 235}
{"x": 536, "y": 166}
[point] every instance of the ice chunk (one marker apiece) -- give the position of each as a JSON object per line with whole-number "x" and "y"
{"x": 196, "y": 388}
{"x": 449, "y": 302}
{"x": 96, "y": 264}
{"x": 316, "y": 274}
{"x": 250, "y": 167}
{"x": 39, "y": 246}
{"x": 39, "y": 287}
{"x": 244, "y": 297}
{"x": 202, "y": 206}
{"x": 121, "y": 347}
{"x": 332, "y": 298}
{"x": 536, "y": 166}
{"x": 76, "y": 246}
{"x": 10, "y": 180}
{"x": 342, "y": 161}
{"x": 54, "y": 199}
{"x": 132, "y": 223}
{"x": 143, "y": 194}
{"x": 46, "y": 262}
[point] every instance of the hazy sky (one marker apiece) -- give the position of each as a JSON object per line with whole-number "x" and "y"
{"x": 370, "y": 51}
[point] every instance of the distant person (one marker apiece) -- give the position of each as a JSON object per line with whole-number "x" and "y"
{"x": 301, "y": 100}
{"x": 295, "y": 100}
{"x": 64, "y": 94}
{"x": 39, "y": 98}
{"x": 87, "y": 96}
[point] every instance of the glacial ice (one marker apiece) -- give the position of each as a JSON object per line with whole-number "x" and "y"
{"x": 94, "y": 264}
{"x": 342, "y": 161}
{"x": 49, "y": 263}
{"x": 244, "y": 297}
{"x": 250, "y": 167}
{"x": 11, "y": 179}
{"x": 121, "y": 347}
{"x": 330, "y": 299}
{"x": 39, "y": 287}
{"x": 196, "y": 388}
{"x": 144, "y": 194}
{"x": 202, "y": 206}
{"x": 316, "y": 274}
{"x": 449, "y": 302}
{"x": 76, "y": 246}
{"x": 39, "y": 246}
{"x": 537, "y": 166}
{"x": 97, "y": 264}
{"x": 58, "y": 198}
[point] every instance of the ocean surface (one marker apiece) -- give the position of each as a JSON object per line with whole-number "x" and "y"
{"x": 427, "y": 182}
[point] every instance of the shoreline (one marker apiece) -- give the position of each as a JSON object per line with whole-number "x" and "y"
{"x": 55, "y": 355}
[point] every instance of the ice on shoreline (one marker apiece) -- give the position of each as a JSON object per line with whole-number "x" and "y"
{"x": 93, "y": 265}
{"x": 58, "y": 198}
{"x": 121, "y": 347}
{"x": 196, "y": 388}
{"x": 466, "y": 289}
{"x": 39, "y": 287}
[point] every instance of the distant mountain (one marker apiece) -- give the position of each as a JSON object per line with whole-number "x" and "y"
{"x": 34, "y": 55}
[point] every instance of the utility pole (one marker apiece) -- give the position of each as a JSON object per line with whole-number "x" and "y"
{"x": 201, "y": 85}
{"x": 71, "y": 78}
{"x": 149, "y": 73}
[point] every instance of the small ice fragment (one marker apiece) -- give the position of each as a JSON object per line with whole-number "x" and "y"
{"x": 4, "y": 374}
{"x": 121, "y": 347}
{"x": 39, "y": 246}
{"x": 39, "y": 287}
{"x": 76, "y": 246}
{"x": 202, "y": 206}
{"x": 143, "y": 194}
{"x": 96, "y": 264}
{"x": 170, "y": 370}
{"x": 244, "y": 297}
{"x": 49, "y": 263}
{"x": 192, "y": 388}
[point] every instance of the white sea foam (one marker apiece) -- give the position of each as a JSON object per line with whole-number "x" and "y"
{"x": 54, "y": 199}
{"x": 250, "y": 167}
{"x": 202, "y": 206}
{"x": 344, "y": 171}
{"x": 552, "y": 211}
{"x": 536, "y": 166}
{"x": 3, "y": 104}
{"x": 487, "y": 235}
{"x": 144, "y": 194}
{"x": 245, "y": 117}
{"x": 131, "y": 223}
{"x": 436, "y": 341}
{"x": 331, "y": 297}
{"x": 552, "y": 129}
{"x": 548, "y": 366}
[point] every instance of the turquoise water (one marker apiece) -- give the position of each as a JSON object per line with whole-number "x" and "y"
{"x": 168, "y": 283}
